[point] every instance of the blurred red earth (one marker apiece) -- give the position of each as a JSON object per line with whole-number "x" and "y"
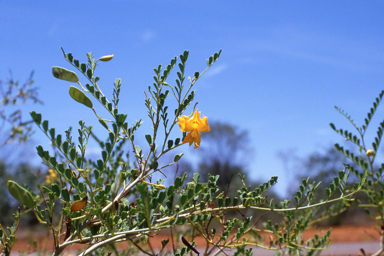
{"x": 340, "y": 234}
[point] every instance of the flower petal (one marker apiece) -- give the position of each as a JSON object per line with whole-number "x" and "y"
{"x": 197, "y": 140}
{"x": 183, "y": 123}
{"x": 193, "y": 123}
{"x": 188, "y": 139}
{"x": 204, "y": 127}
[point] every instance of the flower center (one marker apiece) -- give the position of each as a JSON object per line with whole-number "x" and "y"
{"x": 195, "y": 125}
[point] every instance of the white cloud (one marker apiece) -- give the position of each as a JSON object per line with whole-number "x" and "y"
{"x": 216, "y": 69}
{"x": 318, "y": 46}
{"x": 93, "y": 152}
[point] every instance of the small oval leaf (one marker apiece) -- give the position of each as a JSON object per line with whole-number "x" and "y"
{"x": 103, "y": 123}
{"x": 80, "y": 96}
{"x": 177, "y": 157}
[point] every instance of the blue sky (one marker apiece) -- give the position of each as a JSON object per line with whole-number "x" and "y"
{"x": 283, "y": 67}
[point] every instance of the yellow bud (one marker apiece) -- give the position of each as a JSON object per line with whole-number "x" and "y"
{"x": 369, "y": 152}
{"x": 106, "y": 58}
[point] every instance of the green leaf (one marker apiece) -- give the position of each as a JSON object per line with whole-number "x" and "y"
{"x": 161, "y": 196}
{"x": 96, "y": 173}
{"x": 46, "y": 189}
{"x": 56, "y": 189}
{"x": 329, "y": 192}
{"x": 170, "y": 190}
{"x": 36, "y": 117}
{"x": 164, "y": 242}
{"x": 108, "y": 147}
{"x": 69, "y": 57}
{"x": 65, "y": 147}
{"x": 58, "y": 140}
{"x": 138, "y": 150}
{"x": 182, "y": 199}
{"x": 178, "y": 182}
{"x": 120, "y": 119}
{"x": 75, "y": 181}
{"x": 80, "y": 96}
{"x": 64, "y": 74}
{"x": 227, "y": 202}
{"x": 72, "y": 154}
{"x": 221, "y": 202}
{"x": 68, "y": 174}
{"x": 145, "y": 202}
{"x": 107, "y": 189}
{"x": 148, "y": 137}
{"x": 65, "y": 194}
{"x": 81, "y": 187}
{"x": 100, "y": 180}
{"x": 177, "y": 157}
{"x": 89, "y": 73}
{"x": 103, "y": 123}
{"x": 170, "y": 144}
{"x": 45, "y": 125}
{"x": 83, "y": 67}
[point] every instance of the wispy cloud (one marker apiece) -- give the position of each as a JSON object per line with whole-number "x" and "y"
{"x": 319, "y": 47}
{"x": 216, "y": 69}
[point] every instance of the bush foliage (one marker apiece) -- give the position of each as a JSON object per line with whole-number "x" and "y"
{"x": 114, "y": 200}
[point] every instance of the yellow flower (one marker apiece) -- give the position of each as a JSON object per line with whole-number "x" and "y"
{"x": 193, "y": 126}
{"x": 51, "y": 177}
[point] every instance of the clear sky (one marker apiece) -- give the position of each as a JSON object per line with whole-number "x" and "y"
{"x": 283, "y": 67}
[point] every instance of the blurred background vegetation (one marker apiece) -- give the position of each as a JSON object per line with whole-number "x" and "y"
{"x": 15, "y": 131}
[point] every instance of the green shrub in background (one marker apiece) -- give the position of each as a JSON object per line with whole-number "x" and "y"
{"x": 114, "y": 200}
{"x": 13, "y": 128}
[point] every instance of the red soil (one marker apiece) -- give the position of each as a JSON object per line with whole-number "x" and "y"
{"x": 338, "y": 234}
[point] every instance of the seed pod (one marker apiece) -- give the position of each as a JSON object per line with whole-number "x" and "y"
{"x": 22, "y": 195}
{"x": 117, "y": 184}
{"x": 79, "y": 204}
{"x": 64, "y": 74}
{"x": 186, "y": 243}
{"x": 79, "y": 96}
{"x": 369, "y": 152}
{"x": 106, "y": 58}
